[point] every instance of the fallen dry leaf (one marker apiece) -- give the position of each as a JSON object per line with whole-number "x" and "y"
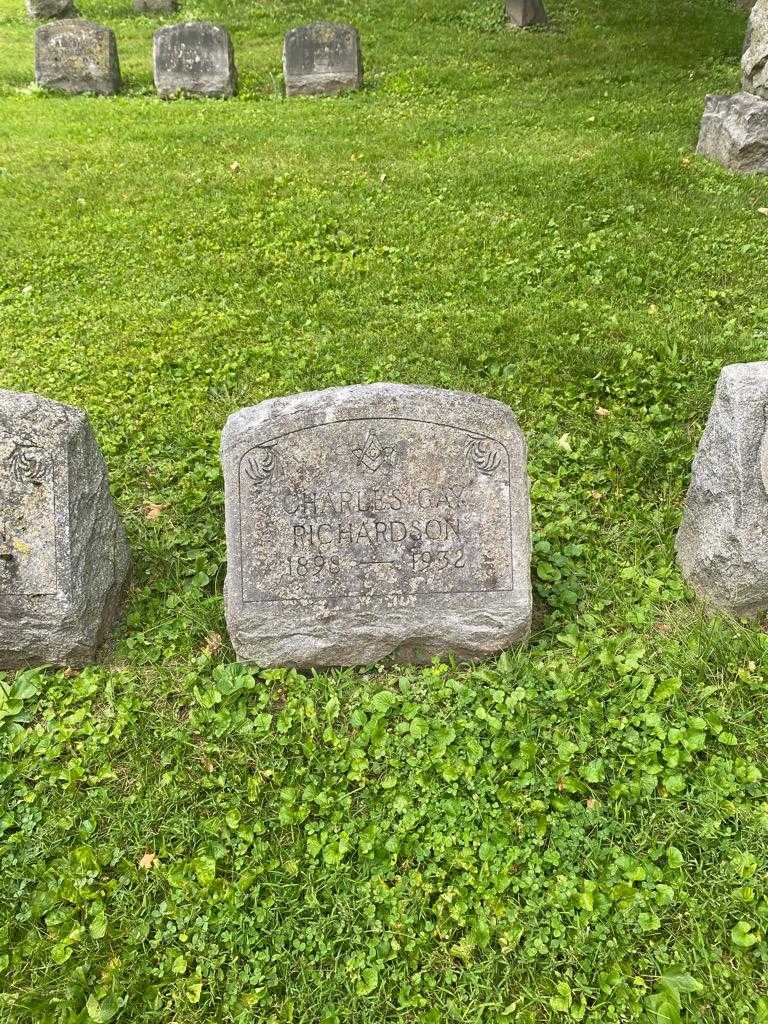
{"x": 212, "y": 643}
{"x": 147, "y": 861}
{"x": 600, "y": 411}
{"x": 152, "y": 511}
{"x": 234, "y": 167}
{"x": 763, "y": 210}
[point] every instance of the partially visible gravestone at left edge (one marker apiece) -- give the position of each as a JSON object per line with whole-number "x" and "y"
{"x": 64, "y": 560}
{"x": 194, "y": 59}
{"x": 76, "y": 56}
{"x": 42, "y": 9}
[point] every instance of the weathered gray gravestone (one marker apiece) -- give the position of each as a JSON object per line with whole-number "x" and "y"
{"x": 375, "y": 521}
{"x": 722, "y": 544}
{"x": 526, "y": 12}
{"x": 155, "y": 6}
{"x": 42, "y": 9}
{"x": 196, "y": 59}
{"x": 76, "y": 56}
{"x": 64, "y": 561}
{"x": 754, "y": 60}
{"x": 734, "y": 132}
{"x": 322, "y": 59}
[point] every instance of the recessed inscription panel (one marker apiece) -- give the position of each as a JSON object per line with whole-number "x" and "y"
{"x": 374, "y": 508}
{"x": 27, "y": 524}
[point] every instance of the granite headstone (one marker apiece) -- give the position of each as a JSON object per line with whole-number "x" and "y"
{"x": 75, "y": 56}
{"x": 376, "y": 521}
{"x": 524, "y": 13}
{"x": 195, "y": 58}
{"x": 322, "y": 59}
{"x": 64, "y": 560}
{"x": 722, "y": 544}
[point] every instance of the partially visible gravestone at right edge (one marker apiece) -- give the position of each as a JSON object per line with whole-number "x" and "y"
{"x": 734, "y": 129}
{"x": 64, "y": 560}
{"x": 322, "y": 60}
{"x": 76, "y": 56}
{"x": 194, "y": 59}
{"x": 526, "y": 12}
{"x": 43, "y": 9}
{"x": 722, "y": 544}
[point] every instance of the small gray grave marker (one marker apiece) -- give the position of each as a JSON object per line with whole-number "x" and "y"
{"x": 375, "y": 521}
{"x": 322, "y": 59}
{"x": 155, "y": 6}
{"x": 64, "y": 561}
{"x": 41, "y": 10}
{"x": 195, "y": 58}
{"x": 76, "y": 56}
{"x": 524, "y": 13}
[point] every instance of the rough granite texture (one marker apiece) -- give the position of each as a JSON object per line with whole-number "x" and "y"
{"x": 74, "y": 56}
{"x": 754, "y": 60}
{"x": 526, "y": 12}
{"x": 155, "y": 6}
{"x": 322, "y": 60}
{"x": 722, "y": 544}
{"x": 375, "y": 521}
{"x": 734, "y": 132}
{"x": 40, "y": 10}
{"x": 64, "y": 560}
{"x": 195, "y": 58}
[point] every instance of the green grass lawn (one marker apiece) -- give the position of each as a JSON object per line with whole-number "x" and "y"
{"x": 577, "y": 831}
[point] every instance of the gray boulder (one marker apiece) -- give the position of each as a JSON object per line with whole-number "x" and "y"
{"x": 734, "y": 132}
{"x": 375, "y": 521}
{"x": 722, "y": 544}
{"x": 524, "y": 13}
{"x": 194, "y": 59}
{"x": 322, "y": 59}
{"x": 754, "y": 60}
{"x": 64, "y": 560}
{"x": 76, "y": 56}
{"x": 41, "y": 10}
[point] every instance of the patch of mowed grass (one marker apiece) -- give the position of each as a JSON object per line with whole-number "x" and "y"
{"x": 575, "y": 831}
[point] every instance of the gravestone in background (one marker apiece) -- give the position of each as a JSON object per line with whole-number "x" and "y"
{"x": 322, "y": 59}
{"x": 722, "y": 544}
{"x": 734, "y": 129}
{"x": 76, "y": 56}
{"x": 375, "y": 521}
{"x": 64, "y": 561}
{"x": 155, "y": 6}
{"x": 524, "y": 13}
{"x": 754, "y": 60}
{"x": 43, "y": 9}
{"x": 195, "y": 59}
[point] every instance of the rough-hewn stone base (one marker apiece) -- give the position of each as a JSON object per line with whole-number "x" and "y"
{"x": 734, "y": 132}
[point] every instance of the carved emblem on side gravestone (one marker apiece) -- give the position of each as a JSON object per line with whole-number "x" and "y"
{"x": 195, "y": 59}
{"x": 64, "y": 562}
{"x": 375, "y": 520}
{"x": 76, "y": 56}
{"x": 722, "y": 544}
{"x": 322, "y": 59}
